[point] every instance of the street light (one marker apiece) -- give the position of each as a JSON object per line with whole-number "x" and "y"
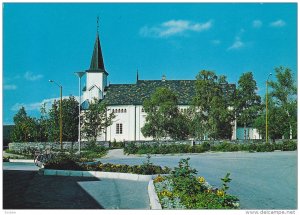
{"x": 79, "y": 75}
{"x": 267, "y": 107}
{"x": 60, "y": 113}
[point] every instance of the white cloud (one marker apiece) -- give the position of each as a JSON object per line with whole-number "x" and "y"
{"x": 174, "y": 27}
{"x": 279, "y": 23}
{"x": 10, "y": 87}
{"x": 31, "y": 77}
{"x": 36, "y": 106}
{"x": 257, "y": 23}
{"x": 237, "y": 44}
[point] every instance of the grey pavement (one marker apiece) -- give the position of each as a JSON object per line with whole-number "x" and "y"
{"x": 29, "y": 190}
{"x": 24, "y": 188}
{"x": 266, "y": 180}
{"x": 260, "y": 180}
{"x": 20, "y": 166}
{"x": 118, "y": 194}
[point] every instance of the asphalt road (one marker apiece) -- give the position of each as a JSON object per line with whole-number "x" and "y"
{"x": 260, "y": 180}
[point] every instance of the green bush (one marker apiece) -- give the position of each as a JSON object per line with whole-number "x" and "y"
{"x": 131, "y": 148}
{"x": 72, "y": 162}
{"x": 64, "y": 161}
{"x": 26, "y": 153}
{"x": 289, "y": 145}
{"x": 5, "y": 159}
{"x": 206, "y": 146}
{"x": 93, "y": 151}
{"x": 116, "y": 145}
{"x": 265, "y": 147}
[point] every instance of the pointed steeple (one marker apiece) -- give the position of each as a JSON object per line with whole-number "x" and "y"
{"x": 97, "y": 58}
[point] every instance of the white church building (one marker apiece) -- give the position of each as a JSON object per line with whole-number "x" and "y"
{"x": 126, "y": 100}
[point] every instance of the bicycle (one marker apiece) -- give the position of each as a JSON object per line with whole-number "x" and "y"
{"x": 41, "y": 158}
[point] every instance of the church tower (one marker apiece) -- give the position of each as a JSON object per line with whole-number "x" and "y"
{"x": 96, "y": 76}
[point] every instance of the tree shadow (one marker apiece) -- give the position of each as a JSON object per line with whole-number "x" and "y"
{"x": 29, "y": 190}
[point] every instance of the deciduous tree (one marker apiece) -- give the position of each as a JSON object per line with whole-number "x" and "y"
{"x": 284, "y": 92}
{"x": 95, "y": 120}
{"x": 163, "y": 117}
{"x": 248, "y": 103}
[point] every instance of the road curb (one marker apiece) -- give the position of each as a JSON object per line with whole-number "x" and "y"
{"x": 21, "y": 161}
{"x": 154, "y": 202}
{"x": 98, "y": 174}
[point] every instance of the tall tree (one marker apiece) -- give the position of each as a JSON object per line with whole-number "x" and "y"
{"x": 53, "y": 129}
{"x": 277, "y": 126}
{"x": 95, "y": 120}
{"x": 163, "y": 117}
{"x": 70, "y": 119}
{"x": 205, "y": 89}
{"x": 25, "y": 129}
{"x": 212, "y": 107}
{"x": 284, "y": 92}
{"x": 43, "y": 123}
{"x": 221, "y": 115}
{"x": 248, "y": 103}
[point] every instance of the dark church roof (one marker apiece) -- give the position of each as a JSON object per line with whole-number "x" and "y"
{"x": 135, "y": 94}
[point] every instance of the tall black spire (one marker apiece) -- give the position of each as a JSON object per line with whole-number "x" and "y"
{"x": 97, "y": 58}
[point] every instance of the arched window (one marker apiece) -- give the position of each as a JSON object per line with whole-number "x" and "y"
{"x": 113, "y": 110}
{"x": 119, "y": 111}
{"x": 125, "y": 110}
{"x": 122, "y": 110}
{"x": 143, "y": 110}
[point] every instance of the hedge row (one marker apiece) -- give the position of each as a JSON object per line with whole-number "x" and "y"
{"x": 206, "y": 146}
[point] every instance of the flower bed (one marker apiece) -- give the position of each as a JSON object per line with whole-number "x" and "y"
{"x": 183, "y": 190}
{"x": 68, "y": 162}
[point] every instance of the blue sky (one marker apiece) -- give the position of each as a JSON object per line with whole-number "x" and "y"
{"x": 52, "y": 41}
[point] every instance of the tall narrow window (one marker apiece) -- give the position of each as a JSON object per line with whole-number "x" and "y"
{"x": 119, "y": 128}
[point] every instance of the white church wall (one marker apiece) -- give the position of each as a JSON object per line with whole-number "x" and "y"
{"x": 123, "y": 123}
{"x": 133, "y": 118}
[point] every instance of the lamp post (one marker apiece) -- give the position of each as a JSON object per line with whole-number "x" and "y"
{"x": 60, "y": 113}
{"x": 267, "y": 107}
{"x": 79, "y": 75}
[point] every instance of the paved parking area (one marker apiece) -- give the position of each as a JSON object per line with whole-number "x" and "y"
{"x": 24, "y": 188}
{"x": 29, "y": 190}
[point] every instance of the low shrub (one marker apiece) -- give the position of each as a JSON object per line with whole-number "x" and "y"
{"x": 131, "y": 148}
{"x": 184, "y": 190}
{"x": 72, "y": 162}
{"x": 5, "y": 159}
{"x": 289, "y": 145}
{"x": 64, "y": 161}
{"x": 26, "y": 153}
{"x": 116, "y": 145}
{"x": 206, "y": 146}
{"x": 93, "y": 151}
